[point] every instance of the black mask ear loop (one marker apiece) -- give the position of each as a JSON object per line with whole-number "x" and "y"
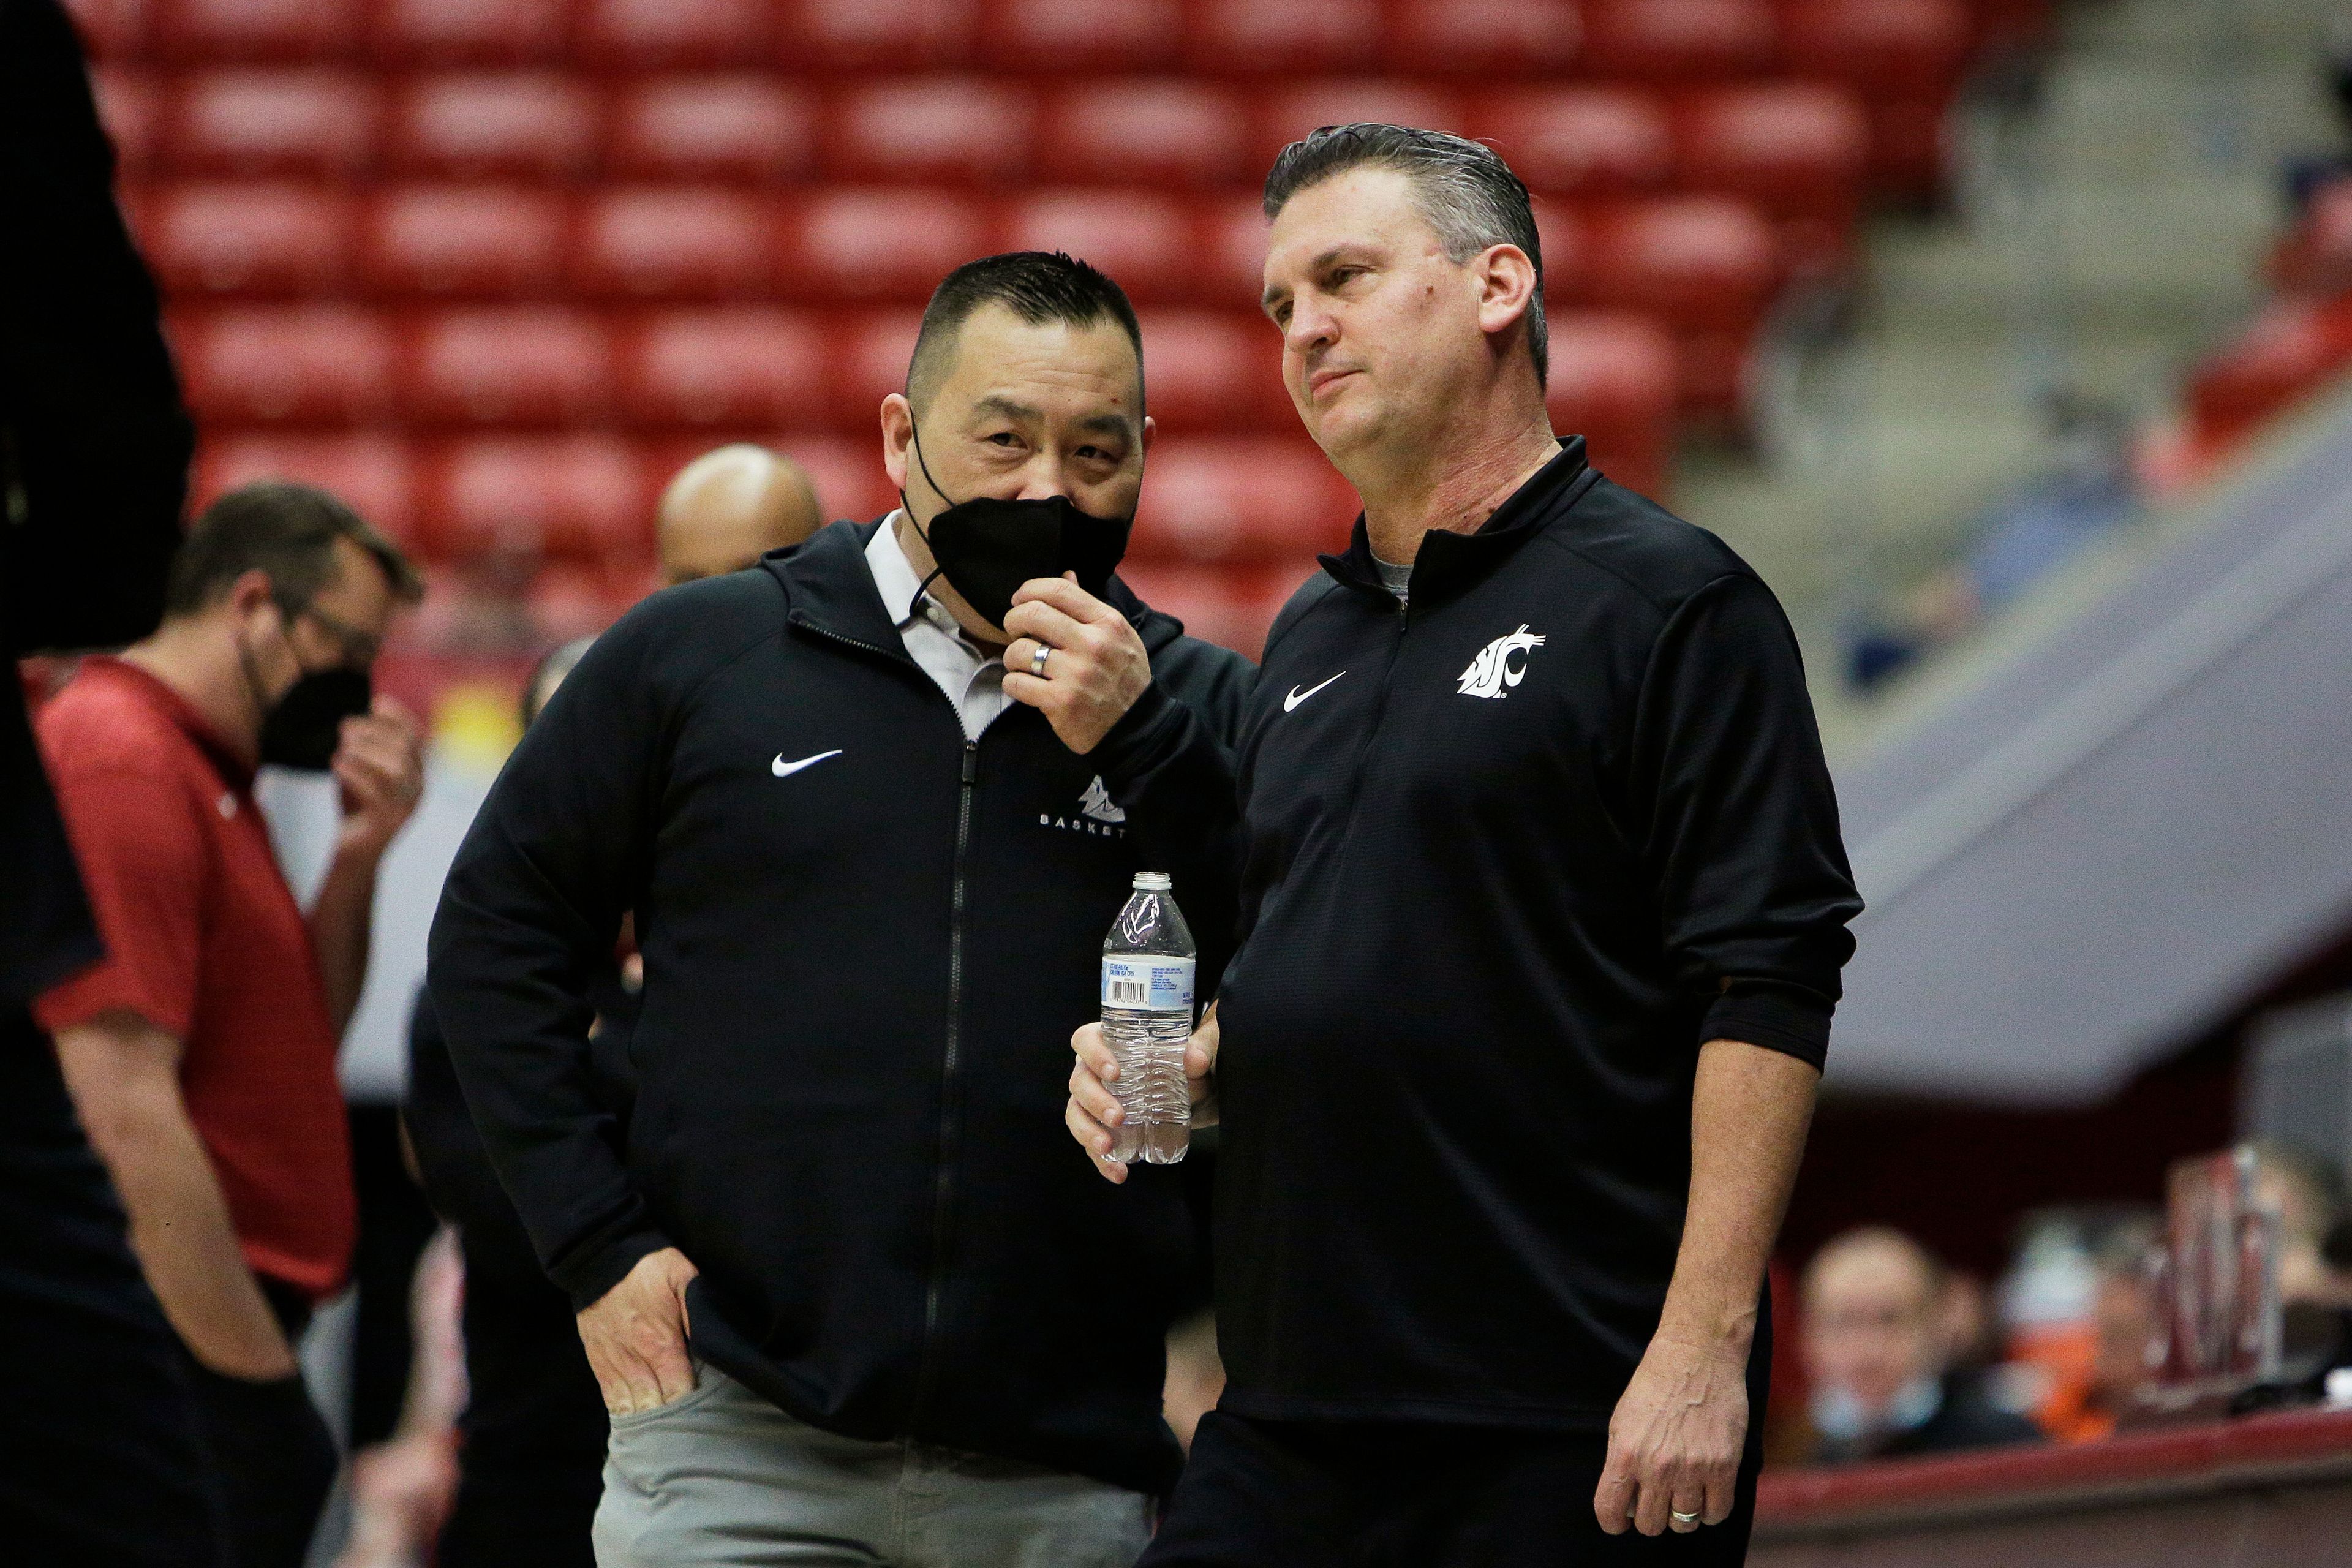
{"x": 915, "y": 440}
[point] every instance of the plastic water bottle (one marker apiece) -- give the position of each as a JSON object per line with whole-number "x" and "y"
{"x": 1147, "y": 1016}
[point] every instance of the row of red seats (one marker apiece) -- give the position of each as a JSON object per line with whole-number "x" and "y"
{"x": 1655, "y": 39}
{"x": 1794, "y": 146}
{"x": 748, "y": 367}
{"x": 589, "y": 497}
{"x": 1693, "y": 259}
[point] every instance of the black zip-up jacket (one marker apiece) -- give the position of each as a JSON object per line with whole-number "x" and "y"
{"x": 1516, "y": 853}
{"x": 861, "y": 975}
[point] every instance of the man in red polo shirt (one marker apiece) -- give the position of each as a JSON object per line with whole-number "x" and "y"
{"x": 201, "y": 1051}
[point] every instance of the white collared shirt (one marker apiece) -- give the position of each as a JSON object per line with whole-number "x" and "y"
{"x": 972, "y": 677}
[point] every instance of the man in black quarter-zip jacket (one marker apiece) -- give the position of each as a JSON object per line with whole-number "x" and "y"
{"x": 872, "y": 852}
{"x": 1543, "y": 912}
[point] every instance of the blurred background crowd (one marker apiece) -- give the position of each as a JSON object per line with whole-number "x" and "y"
{"x": 2004, "y": 336}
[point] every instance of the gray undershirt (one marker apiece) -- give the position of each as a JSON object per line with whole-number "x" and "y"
{"x": 1394, "y": 577}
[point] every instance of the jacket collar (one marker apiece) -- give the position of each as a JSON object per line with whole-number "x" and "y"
{"x": 1450, "y": 561}
{"x": 829, "y": 589}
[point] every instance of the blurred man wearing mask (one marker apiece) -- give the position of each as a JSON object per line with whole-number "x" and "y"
{"x": 874, "y": 806}
{"x": 201, "y": 1051}
{"x": 1877, "y": 1349}
{"x": 1543, "y": 921}
{"x": 729, "y": 506}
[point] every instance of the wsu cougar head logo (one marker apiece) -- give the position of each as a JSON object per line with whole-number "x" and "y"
{"x": 1492, "y": 671}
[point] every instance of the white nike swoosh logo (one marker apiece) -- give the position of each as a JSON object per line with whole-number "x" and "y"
{"x": 785, "y": 770}
{"x": 1297, "y": 697}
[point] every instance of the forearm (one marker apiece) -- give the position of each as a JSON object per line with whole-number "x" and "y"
{"x": 1750, "y": 1107}
{"x": 341, "y": 921}
{"x": 180, "y": 1226}
{"x": 1175, "y": 780}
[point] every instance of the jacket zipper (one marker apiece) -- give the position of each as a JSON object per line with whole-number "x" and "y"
{"x": 1379, "y": 717}
{"x": 950, "y": 1126}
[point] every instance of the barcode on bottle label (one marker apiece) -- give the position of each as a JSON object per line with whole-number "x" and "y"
{"x": 1157, "y": 984}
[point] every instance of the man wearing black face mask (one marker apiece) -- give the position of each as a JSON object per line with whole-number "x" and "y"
{"x": 199, "y": 1052}
{"x": 871, "y": 871}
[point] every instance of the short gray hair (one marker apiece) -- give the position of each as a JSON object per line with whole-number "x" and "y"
{"x": 1465, "y": 189}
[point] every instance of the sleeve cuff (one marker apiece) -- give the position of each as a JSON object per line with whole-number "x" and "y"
{"x": 1785, "y": 1018}
{"x": 1135, "y": 742}
{"x": 589, "y": 1276}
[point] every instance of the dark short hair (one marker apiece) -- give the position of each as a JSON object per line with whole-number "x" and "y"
{"x": 1465, "y": 189}
{"x": 286, "y": 530}
{"x": 1038, "y": 286}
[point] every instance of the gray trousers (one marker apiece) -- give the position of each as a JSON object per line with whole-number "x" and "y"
{"x": 721, "y": 1478}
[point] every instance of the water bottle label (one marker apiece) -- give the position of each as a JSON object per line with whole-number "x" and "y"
{"x": 1162, "y": 984}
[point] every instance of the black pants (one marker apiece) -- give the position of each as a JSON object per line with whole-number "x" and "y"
{"x": 269, "y": 1452}
{"x": 1270, "y": 1494}
{"x": 100, "y": 1461}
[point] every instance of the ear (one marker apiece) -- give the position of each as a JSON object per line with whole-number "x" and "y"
{"x": 251, "y": 591}
{"x": 1506, "y": 285}
{"x": 897, "y": 430}
{"x": 1150, "y": 428}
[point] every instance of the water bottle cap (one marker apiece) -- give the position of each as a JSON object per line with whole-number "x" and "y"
{"x": 1152, "y": 881}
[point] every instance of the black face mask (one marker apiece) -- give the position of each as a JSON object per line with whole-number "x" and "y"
{"x": 302, "y": 728}
{"x": 987, "y": 548}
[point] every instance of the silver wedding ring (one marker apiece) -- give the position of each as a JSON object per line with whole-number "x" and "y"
{"x": 1679, "y": 1516}
{"x": 1037, "y": 661}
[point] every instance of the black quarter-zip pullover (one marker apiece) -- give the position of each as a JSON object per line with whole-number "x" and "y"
{"x": 866, "y": 942}
{"x": 1516, "y": 849}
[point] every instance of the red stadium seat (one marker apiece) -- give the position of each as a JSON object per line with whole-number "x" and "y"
{"x": 1232, "y": 607}
{"x": 1143, "y": 241}
{"x": 1282, "y": 37}
{"x": 579, "y": 496}
{"x": 2290, "y": 349}
{"x": 847, "y": 472}
{"x": 1079, "y": 35}
{"x": 1486, "y": 39}
{"x": 518, "y": 365}
{"x": 1582, "y": 140}
{"x": 1149, "y": 132}
{"x": 1231, "y": 254}
{"x": 1679, "y": 40}
{"x": 649, "y": 34}
{"x": 281, "y": 121}
{"x": 1696, "y": 261}
{"x": 1253, "y": 498}
{"x": 1214, "y": 370}
{"x": 533, "y": 124}
{"x": 868, "y": 356}
{"x": 286, "y": 364}
{"x": 112, "y": 29}
{"x": 131, "y": 109}
{"x": 677, "y": 242}
{"x": 882, "y": 244}
{"x": 1612, "y": 381}
{"x": 956, "y": 128}
{"x": 214, "y": 30}
{"x": 712, "y": 127}
{"x": 1285, "y": 116}
{"x": 249, "y": 238}
{"x": 741, "y": 366}
{"x": 471, "y": 32}
{"x": 465, "y": 240}
{"x": 572, "y": 599}
{"x": 1561, "y": 230}
{"x": 1905, "y": 57}
{"x": 877, "y": 35}
{"x": 369, "y": 471}
{"x": 1800, "y": 152}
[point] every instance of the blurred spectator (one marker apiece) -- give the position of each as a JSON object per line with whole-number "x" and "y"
{"x": 201, "y": 1051}
{"x": 2125, "y": 1313}
{"x": 102, "y": 1457}
{"x": 1878, "y": 1348}
{"x": 530, "y": 1467}
{"x": 2307, "y": 1194}
{"x": 2019, "y": 540}
{"x": 729, "y": 506}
